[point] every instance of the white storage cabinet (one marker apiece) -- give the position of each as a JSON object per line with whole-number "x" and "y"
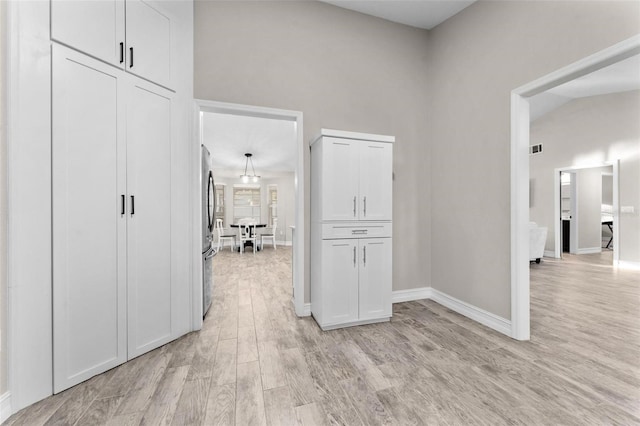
{"x": 358, "y": 181}
{"x": 351, "y": 244}
{"x": 111, "y": 148}
{"x": 134, "y": 35}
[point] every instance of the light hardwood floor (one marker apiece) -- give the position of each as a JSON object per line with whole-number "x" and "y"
{"x": 255, "y": 363}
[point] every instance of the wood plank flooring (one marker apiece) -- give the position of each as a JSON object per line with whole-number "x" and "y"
{"x": 255, "y": 363}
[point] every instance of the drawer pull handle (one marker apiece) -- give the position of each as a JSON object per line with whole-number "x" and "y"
{"x": 364, "y": 256}
{"x": 359, "y": 231}
{"x": 354, "y": 206}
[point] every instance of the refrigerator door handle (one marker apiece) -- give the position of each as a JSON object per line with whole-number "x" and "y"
{"x": 133, "y": 205}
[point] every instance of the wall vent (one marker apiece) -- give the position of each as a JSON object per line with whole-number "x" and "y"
{"x": 535, "y": 149}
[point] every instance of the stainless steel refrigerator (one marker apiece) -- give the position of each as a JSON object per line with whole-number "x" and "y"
{"x": 208, "y": 220}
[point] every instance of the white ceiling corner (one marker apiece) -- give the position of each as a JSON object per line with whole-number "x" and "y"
{"x": 424, "y": 14}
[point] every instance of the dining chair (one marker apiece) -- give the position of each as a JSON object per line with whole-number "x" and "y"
{"x": 270, "y": 233}
{"x": 223, "y": 236}
{"x": 246, "y": 233}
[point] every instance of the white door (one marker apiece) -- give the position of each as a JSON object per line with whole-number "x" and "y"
{"x": 339, "y": 179}
{"x": 149, "y": 219}
{"x": 340, "y": 282}
{"x": 148, "y": 43}
{"x": 376, "y": 169}
{"x": 93, "y": 27}
{"x": 89, "y": 231}
{"x": 375, "y": 278}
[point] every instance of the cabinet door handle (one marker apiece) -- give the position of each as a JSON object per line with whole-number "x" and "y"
{"x": 354, "y": 206}
{"x": 354, "y": 256}
{"x": 131, "y": 57}
{"x": 121, "y": 52}
{"x": 364, "y": 255}
{"x": 122, "y": 209}
{"x": 365, "y": 206}
{"x": 133, "y": 205}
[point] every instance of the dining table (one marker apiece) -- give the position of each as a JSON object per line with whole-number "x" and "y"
{"x": 252, "y": 227}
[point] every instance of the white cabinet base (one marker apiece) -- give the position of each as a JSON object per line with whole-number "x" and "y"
{"x": 328, "y": 327}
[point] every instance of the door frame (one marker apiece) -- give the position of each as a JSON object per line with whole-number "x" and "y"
{"x": 202, "y": 106}
{"x": 615, "y": 164}
{"x": 519, "y": 147}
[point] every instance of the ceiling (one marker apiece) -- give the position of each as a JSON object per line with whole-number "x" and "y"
{"x": 622, "y": 76}
{"x": 228, "y": 137}
{"x": 416, "y": 13}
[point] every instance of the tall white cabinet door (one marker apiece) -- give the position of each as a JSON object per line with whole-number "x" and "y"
{"x": 89, "y": 232}
{"x": 376, "y": 169}
{"x": 148, "y": 42}
{"x": 340, "y": 281}
{"x": 149, "y": 219}
{"x": 375, "y": 278}
{"x": 340, "y": 187}
{"x": 94, "y": 27}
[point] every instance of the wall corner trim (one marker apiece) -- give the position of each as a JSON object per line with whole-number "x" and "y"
{"x": 5, "y": 407}
{"x": 306, "y": 310}
{"x": 485, "y": 318}
{"x": 411, "y": 294}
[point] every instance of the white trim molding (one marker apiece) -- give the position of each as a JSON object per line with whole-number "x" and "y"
{"x": 306, "y": 310}
{"x": 625, "y": 264}
{"x": 589, "y": 250}
{"x": 486, "y": 318}
{"x": 550, "y": 253}
{"x": 411, "y": 294}
{"x": 5, "y": 407}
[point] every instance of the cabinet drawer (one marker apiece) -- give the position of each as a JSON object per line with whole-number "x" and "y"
{"x": 356, "y": 230}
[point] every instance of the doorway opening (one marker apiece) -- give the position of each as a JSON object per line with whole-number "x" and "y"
{"x": 586, "y": 210}
{"x": 520, "y": 176}
{"x": 274, "y": 190}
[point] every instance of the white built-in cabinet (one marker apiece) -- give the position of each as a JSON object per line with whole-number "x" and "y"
{"x": 134, "y": 35}
{"x": 89, "y": 231}
{"x": 359, "y": 185}
{"x": 351, "y": 244}
{"x": 111, "y": 191}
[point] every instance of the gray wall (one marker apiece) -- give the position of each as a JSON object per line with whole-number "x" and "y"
{"x": 590, "y": 131}
{"x": 343, "y": 70}
{"x": 476, "y": 58}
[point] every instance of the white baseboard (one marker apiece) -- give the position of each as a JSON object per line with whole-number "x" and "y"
{"x": 625, "y": 264}
{"x": 306, "y": 310}
{"x": 550, "y": 253}
{"x": 589, "y": 250}
{"x": 283, "y": 243}
{"x": 410, "y": 295}
{"x": 496, "y": 322}
{"x": 488, "y": 319}
{"x": 5, "y": 407}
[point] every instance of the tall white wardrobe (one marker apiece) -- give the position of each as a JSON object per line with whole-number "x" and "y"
{"x": 351, "y": 228}
{"x": 117, "y": 101}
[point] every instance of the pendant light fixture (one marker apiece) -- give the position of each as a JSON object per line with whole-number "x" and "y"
{"x": 245, "y": 177}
